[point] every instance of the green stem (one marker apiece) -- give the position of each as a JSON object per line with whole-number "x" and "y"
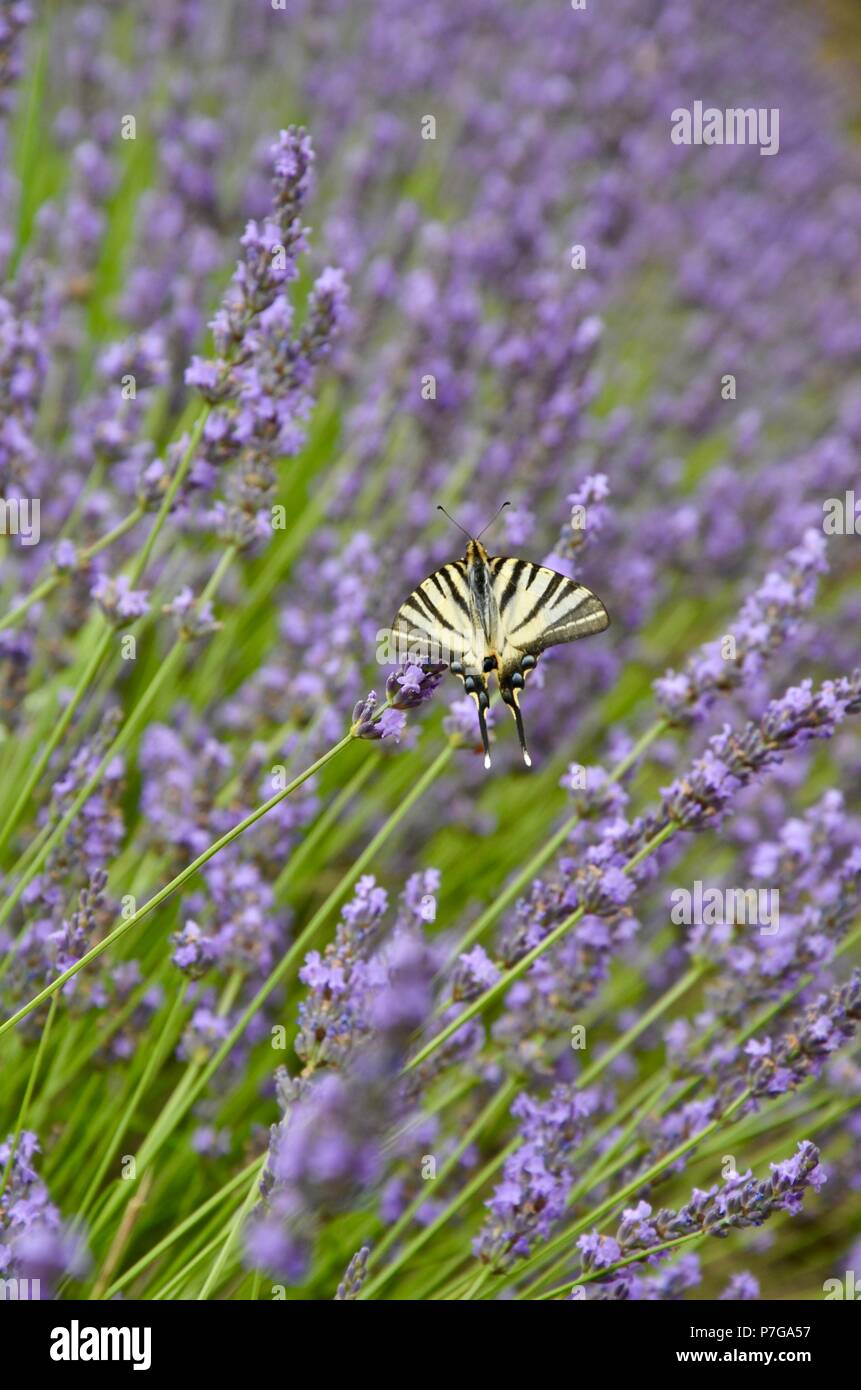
{"x": 499, "y": 988}
{"x": 89, "y": 1040}
{"x": 120, "y": 1190}
{"x": 513, "y": 890}
{"x": 663, "y": 1082}
{"x": 159, "y": 1052}
{"x": 47, "y": 585}
{"x": 232, "y": 1234}
{"x": 124, "y": 737}
{"x": 170, "y": 888}
{"x": 622, "y": 1264}
{"x": 645, "y": 1021}
{"x": 477, "y": 1284}
{"x": 174, "y": 1113}
{"x": 599, "y": 1170}
{"x": 441, "y": 1277}
{"x": 194, "y": 1079}
{"x": 474, "y": 1185}
{"x": 209, "y": 1205}
{"x": 176, "y": 1280}
{"x": 140, "y": 564}
{"x": 639, "y": 1181}
{"x": 28, "y": 1094}
{"x": 661, "y": 1005}
{"x": 321, "y": 827}
{"x": 138, "y": 568}
{"x": 58, "y": 732}
{"x": 66, "y": 1146}
{"x": 497, "y": 1103}
{"x": 833, "y": 1112}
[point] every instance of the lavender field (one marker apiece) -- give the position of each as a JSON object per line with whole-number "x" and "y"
{"x": 299, "y": 1000}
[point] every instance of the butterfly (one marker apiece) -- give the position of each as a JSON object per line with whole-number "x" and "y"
{"x": 492, "y": 613}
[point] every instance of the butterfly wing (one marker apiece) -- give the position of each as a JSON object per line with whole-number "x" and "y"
{"x": 437, "y": 623}
{"x": 538, "y": 608}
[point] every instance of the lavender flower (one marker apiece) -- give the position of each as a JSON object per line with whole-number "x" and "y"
{"x": 35, "y": 1243}
{"x": 354, "y": 1276}
{"x": 193, "y": 619}
{"x": 742, "y": 1288}
{"x": 826, "y": 1025}
{"x": 554, "y": 315}
{"x": 333, "y": 1017}
{"x": 118, "y": 601}
{"x": 16, "y": 19}
{"x": 365, "y": 1003}
{"x": 731, "y": 759}
{"x": 741, "y": 1202}
{"x": 538, "y": 1175}
{"x": 765, "y": 621}
{"x": 260, "y": 379}
{"x": 406, "y": 688}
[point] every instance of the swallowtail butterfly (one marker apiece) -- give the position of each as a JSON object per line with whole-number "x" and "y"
{"x": 489, "y": 613}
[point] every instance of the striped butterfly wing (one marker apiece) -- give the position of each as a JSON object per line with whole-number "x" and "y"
{"x": 436, "y": 622}
{"x": 529, "y": 609}
{"x": 537, "y": 608}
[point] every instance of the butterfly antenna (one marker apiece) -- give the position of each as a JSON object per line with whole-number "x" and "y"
{"x": 482, "y": 724}
{"x": 453, "y": 522}
{"x": 492, "y": 519}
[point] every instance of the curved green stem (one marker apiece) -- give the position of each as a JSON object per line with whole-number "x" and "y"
{"x": 505, "y": 980}
{"x": 28, "y": 1094}
{"x": 57, "y": 734}
{"x": 47, "y": 585}
{"x": 123, "y": 738}
{"x": 170, "y": 888}
{"x": 158, "y": 1054}
{"x": 529, "y": 871}
{"x": 232, "y": 1235}
{"x": 497, "y": 1103}
{"x": 298, "y": 948}
{"x": 209, "y": 1205}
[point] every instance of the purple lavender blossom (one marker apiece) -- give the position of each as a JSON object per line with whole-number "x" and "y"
{"x": 741, "y": 1202}
{"x": 259, "y": 383}
{"x": 826, "y": 1025}
{"x": 546, "y": 314}
{"x": 354, "y": 1276}
{"x": 742, "y": 1288}
{"x": 767, "y": 618}
{"x": 365, "y": 1001}
{"x": 732, "y": 759}
{"x": 35, "y": 1243}
{"x": 539, "y": 1175}
{"x": 118, "y": 600}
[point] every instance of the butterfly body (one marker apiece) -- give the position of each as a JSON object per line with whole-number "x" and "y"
{"x": 489, "y": 614}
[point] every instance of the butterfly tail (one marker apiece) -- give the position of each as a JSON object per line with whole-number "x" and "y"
{"x": 510, "y": 696}
{"x": 476, "y": 686}
{"x": 481, "y": 706}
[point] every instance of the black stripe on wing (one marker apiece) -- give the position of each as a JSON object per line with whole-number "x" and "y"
{"x": 506, "y": 592}
{"x": 452, "y": 580}
{"x": 435, "y": 620}
{"x": 587, "y": 616}
{"x": 539, "y": 608}
{"x": 541, "y": 603}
